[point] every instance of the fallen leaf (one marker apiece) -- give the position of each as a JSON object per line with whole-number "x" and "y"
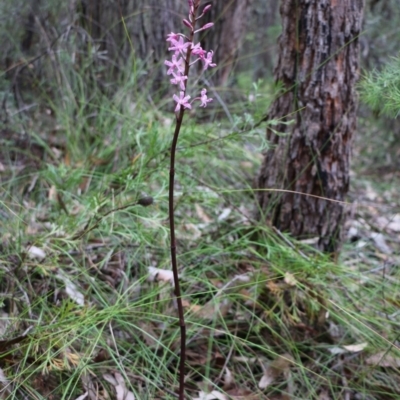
{"x": 228, "y": 379}
{"x": 225, "y": 214}
{"x": 380, "y": 243}
{"x": 36, "y": 252}
{"x": 337, "y": 350}
{"x": 212, "y": 308}
{"x": 242, "y": 394}
{"x": 384, "y": 359}
{"x": 164, "y": 275}
{"x": 72, "y": 290}
{"x": 246, "y": 360}
{"x": 4, "y": 382}
{"x": 370, "y": 193}
{"x": 382, "y": 222}
{"x": 352, "y": 348}
{"x": 394, "y": 223}
{"x": 83, "y": 396}
{"x": 188, "y": 232}
{"x": 214, "y": 395}
{"x": 118, "y": 382}
{"x": 275, "y": 369}
{"x": 267, "y": 379}
{"x": 324, "y": 395}
{"x": 202, "y": 214}
{"x": 355, "y": 348}
{"x": 89, "y": 385}
{"x": 274, "y": 288}
{"x": 52, "y": 195}
{"x": 290, "y": 279}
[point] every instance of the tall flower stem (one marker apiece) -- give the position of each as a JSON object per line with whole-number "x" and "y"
{"x": 182, "y": 324}
{"x": 182, "y": 53}
{"x": 171, "y": 212}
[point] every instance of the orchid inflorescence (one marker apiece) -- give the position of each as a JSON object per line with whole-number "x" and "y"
{"x": 183, "y": 48}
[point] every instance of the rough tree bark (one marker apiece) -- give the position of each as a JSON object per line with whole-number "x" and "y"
{"x": 230, "y": 22}
{"x": 318, "y": 66}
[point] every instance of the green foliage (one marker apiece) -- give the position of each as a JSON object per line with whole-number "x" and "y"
{"x": 381, "y": 89}
{"x": 105, "y": 142}
{"x": 100, "y": 246}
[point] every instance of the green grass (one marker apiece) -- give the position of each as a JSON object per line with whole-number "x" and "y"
{"x": 252, "y": 296}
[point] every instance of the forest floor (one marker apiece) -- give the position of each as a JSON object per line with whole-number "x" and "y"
{"x": 86, "y": 288}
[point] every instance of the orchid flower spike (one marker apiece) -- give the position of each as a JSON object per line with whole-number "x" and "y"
{"x": 185, "y": 54}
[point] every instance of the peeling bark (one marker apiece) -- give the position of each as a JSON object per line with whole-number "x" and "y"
{"x": 318, "y": 65}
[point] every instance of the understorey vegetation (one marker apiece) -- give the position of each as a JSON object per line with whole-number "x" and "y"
{"x": 87, "y": 294}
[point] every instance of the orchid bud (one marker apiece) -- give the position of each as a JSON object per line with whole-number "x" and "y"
{"x": 207, "y": 26}
{"x": 206, "y": 8}
{"x": 187, "y": 23}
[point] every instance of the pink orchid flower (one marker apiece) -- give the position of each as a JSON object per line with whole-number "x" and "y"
{"x": 176, "y": 63}
{"x": 208, "y": 60}
{"x": 179, "y": 46}
{"x": 204, "y": 99}
{"x": 184, "y": 49}
{"x": 172, "y": 37}
{"x": 179, "y": 79}
{"x": 182, "y": 100}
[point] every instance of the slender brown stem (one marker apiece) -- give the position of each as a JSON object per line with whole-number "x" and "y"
{"x": 173, "y": 257}
{"x": 178, "y": 125}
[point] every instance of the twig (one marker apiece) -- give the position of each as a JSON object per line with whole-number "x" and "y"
{"x": 144, "y": 201}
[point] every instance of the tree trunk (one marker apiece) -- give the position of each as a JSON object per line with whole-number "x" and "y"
{"x": 134, "y": 25}
{"x": 119, "y": 32}
{"x": 230, "y": 22}
{"x": 318, "y": 67}
{"x": 263, "y": 43}
{"x": 146, "y": 24}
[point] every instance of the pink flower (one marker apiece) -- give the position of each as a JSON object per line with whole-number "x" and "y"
{"x": 172, "y": 37}
{"x": 179, "y": 79}
{"x": 204, "y": 99}
{"x": 206, "y": 8}
{"x": 175, "y": 64}
{"x": 180, "y": 61}
{"x": 208, "y": 60}
{"x": 179, "y": 46}
{"x": 198, "y": 51}
{"x": 206, "y": 26}
{"x": 182, "y": 100}
{"x": 187, "y": 23}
